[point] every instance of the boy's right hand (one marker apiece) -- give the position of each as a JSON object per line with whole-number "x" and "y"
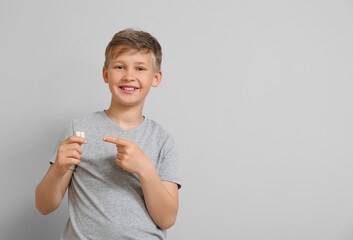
{"x": 69, "y": 153}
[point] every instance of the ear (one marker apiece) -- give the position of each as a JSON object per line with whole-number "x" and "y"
{"x": 157, "y": 78}
{"x": 105, "y": 74}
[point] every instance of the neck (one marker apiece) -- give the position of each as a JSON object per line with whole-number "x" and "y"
{"x": 127, "y": 117}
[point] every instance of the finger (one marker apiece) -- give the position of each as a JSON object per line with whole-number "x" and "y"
{"x": 73, "y": 146}
{"x": 75, "y": 139}
{"x": 72, "y": 154}
{"x": 117, "y": 141}
{"x": 118, "y": 162}
{"x": 72, "y": 161}
{"x": 120, "y": 156}
{"x": 121, "y": 149}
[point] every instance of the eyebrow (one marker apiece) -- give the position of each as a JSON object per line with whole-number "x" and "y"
{"x": 120, "y": 61}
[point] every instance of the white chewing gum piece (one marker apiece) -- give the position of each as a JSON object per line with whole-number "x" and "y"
{"x": 83, "y": 134}
{"x": 77, "y": 134}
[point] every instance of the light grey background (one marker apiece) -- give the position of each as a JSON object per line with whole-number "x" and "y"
{"x": 257, "y": 93}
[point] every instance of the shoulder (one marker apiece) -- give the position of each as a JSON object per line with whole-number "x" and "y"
{"x": 89, "y": 118}
{"x": 91, "y": 122}
{"x": 159, "y": 132}
{"x": 78, "y": 124}
{"x": 157, "y": 128}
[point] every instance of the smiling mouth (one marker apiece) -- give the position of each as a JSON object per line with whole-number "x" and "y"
{"x": 128, "y": 87}
{"x": 128, "y": 90}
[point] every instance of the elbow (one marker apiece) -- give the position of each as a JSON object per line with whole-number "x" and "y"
{"x": 167, "y": 223}
{"x": 42, "y": 210}
{"x": 41, "y": 205}
{"x": 168, "y": 220}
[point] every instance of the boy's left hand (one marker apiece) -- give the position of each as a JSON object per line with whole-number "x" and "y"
{"x": 129, "y": 157}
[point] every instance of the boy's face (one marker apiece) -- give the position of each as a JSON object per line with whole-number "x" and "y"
{"x": 130, "y": 77}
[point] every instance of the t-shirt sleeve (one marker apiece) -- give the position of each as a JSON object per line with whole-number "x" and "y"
{"x": 168, "y": 170}
{"x": 67, "y": 132}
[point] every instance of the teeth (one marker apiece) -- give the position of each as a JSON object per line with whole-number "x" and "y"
{"x": 128, "y": 88}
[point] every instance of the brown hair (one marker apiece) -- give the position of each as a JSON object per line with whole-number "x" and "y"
{"x": 130, "y": 39}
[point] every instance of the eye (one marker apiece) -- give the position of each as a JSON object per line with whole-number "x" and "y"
{"x": 119, "y": 67}
{"x": 141, "y": 68}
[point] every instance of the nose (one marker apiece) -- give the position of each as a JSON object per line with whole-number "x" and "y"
{"x": 129, "y": 75}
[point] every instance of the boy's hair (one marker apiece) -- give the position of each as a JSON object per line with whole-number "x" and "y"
{"x": 129, "y": 39}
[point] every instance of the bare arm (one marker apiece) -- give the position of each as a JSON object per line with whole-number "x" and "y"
{"x": 51, "y": 190}
{"x": 161, "y": 198}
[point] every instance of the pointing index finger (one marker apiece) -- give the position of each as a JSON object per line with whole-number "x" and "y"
{"x": 117, "y": 141}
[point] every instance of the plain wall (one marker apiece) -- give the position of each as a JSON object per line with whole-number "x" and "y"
{"x": 258, "y": 95}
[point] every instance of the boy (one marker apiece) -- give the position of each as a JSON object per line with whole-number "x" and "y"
{"x": 122, "y": 177}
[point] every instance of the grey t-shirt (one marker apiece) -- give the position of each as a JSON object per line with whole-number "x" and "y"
{"x": 106, "y": 202}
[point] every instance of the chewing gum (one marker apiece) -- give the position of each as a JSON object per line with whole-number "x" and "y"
{"x": 80, "y": 134}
